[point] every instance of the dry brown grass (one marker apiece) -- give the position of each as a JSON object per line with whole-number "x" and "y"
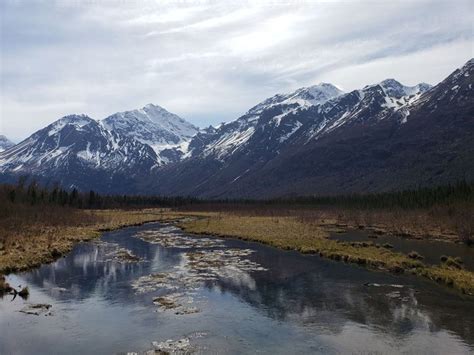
{"x": 26, "y": 243}
{"x": 452, "y": 223}
{"x": 271, "y": 230}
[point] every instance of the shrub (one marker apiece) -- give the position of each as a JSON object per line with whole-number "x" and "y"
{"x": 452, "y": 262}
{"x": 415, "y": 255}
{"x": 24, "y": 292}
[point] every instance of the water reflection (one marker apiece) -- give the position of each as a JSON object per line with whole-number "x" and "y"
{"x": 327, "y": 294}
{"x": 299, "y": 302}
{"x": 431, "y": 250}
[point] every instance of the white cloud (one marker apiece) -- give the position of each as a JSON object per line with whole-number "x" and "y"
{"x": 210, "y": 61}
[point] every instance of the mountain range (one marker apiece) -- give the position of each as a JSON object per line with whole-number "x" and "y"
{"x": 315, "y": 140}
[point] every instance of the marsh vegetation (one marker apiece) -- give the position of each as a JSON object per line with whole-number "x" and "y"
{"x": 38, "y": 225}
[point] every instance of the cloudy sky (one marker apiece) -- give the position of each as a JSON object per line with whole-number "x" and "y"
{"x": 211, "y": 61}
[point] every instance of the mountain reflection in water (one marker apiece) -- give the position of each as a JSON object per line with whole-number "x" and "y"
{"x": 266, "y": 299}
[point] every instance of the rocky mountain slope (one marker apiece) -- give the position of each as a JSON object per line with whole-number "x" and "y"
{"x": 166, "y": 133}
{"x": 382, "y": 137}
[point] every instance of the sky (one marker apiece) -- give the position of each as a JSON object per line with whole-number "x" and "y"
{"x": 210, "y": 61}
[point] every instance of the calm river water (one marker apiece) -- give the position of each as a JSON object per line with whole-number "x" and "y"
{"x": 205, "y": 295}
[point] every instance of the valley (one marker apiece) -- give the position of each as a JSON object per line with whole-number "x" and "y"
{"x": 225, "y": 177}
{"x": 285, "y": 268}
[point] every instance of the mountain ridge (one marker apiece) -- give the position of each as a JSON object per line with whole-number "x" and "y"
{"x": 322, "y": 154}
{"x": 315, "y": 139}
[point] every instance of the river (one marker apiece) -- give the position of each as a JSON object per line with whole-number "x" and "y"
{"x": 156, "y": 287}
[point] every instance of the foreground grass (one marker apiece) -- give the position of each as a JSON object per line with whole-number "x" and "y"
{"x": 34, "y": 241}
{"x": 293, "y": 233}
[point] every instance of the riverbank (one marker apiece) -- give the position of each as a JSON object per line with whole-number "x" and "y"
{"x": 42, "y": 240}
{"x": 450, "y": 222}
{"x": 297, "y": 234}
{"x": 45, "y": 239}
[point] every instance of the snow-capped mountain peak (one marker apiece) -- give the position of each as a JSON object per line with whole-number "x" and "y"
{"x": 5, "y": 143}
{"x": 271, "y": 115}
{"x": 302, "y": 97}
{"x": 395, "y": 89}
{"x": 389, "y": 95}
{"x": 152, "y": 125}
{"x": 465, "y": 70}
{"x": 169, "y": 121}
{"x": 315, "y": 94}
{"x": 423, "y": 87}
{"x": 77, "y": 121}
{"x": 457, "y": 87}
{"x": 77, "y": 145}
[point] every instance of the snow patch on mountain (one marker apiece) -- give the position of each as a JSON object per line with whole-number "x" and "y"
{"x": 303, "y": 97}
{"x": 296, "y": 127}
{"x": 154, "y": 126}
{"x": 375, "y": 102}
{"x": 229, "y": 143}
{"x": 78, "y": 121}
{"x": 5, "y": 143}
{"x": 89, "y": 155}
{"x": 457, "y": 87}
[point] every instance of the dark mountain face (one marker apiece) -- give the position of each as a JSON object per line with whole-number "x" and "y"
{"x": 383, "y": 137}
{"x": 316, "y": 140}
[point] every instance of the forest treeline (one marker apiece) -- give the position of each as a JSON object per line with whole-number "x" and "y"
{"x": 32, "y": 193}
{"x": 422, "y": 197}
